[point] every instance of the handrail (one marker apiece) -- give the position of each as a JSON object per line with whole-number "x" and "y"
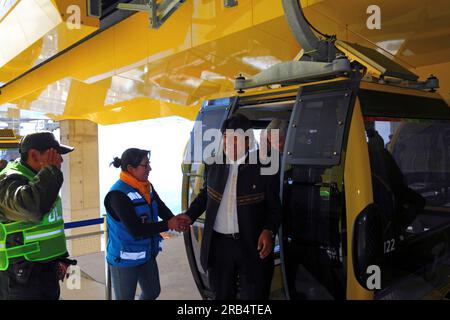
{"x": 84, "y": 235}
{"x": 83, "y": 223}
{"x": 91, "y": 222}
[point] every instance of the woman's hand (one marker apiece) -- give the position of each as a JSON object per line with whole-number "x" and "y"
{"x": 179, "y": 223}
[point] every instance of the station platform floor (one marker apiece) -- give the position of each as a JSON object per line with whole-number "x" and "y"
{"x": 176, "y": 279}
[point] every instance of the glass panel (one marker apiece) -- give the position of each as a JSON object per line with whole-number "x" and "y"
{"x": 410, "y": 164}
{"x": 9, "y": 154}
{"x": 211, "y": 116}
{"x": 318, "y": 129}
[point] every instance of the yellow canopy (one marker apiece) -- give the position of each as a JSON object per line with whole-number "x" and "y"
{"x": 130, "y": 71}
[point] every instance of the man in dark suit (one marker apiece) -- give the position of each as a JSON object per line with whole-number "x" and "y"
{"x": 243, "y": 212}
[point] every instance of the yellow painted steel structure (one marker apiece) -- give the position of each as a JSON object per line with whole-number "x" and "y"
{"x": 358, "y": 192}
{"x": 35, "y": 30}
{"x": 130, "y": 72}
{"x": 10, "y": 143}
{"x": 8, "y": 139}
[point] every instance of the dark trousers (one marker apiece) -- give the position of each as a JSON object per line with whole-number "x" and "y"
{"x": 125, "y": 280}
{"x": 26, "y": 280}
{"x": 229, "y": 265}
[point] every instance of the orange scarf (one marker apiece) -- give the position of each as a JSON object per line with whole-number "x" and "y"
{"x": 143, "y": 187}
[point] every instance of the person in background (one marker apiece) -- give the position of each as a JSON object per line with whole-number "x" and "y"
{"x": 273, "y": 145}
{"x": 133, "y": 207}
{"x": 281, "y": 126}
{"x": 3, "y": 164}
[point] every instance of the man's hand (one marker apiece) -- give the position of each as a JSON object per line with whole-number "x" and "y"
{"x": 184, "y": 221}
{"x": 265, "y": 245}
{"x": 51, "y": 158}
{"x": 179, "y": 223}
{"x": 62, "y": 265}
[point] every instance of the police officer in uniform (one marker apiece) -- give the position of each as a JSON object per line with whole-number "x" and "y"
{"x": 32, "y": 242}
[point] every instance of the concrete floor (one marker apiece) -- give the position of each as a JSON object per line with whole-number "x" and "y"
{"x": 175, "y": 275}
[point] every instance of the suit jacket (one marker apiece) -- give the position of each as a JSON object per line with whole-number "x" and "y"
{"x": 258, "y": 205}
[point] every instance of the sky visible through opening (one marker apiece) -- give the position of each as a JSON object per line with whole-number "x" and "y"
{"x": 165, "y": 137}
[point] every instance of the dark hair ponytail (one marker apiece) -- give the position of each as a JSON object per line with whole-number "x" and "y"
{"x": 117, "y": 162}
{"x": 130, "y": 157}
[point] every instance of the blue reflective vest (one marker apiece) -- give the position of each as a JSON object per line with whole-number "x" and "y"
{"x": 122, "y": 248}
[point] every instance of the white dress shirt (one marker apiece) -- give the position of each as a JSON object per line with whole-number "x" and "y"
{"x": 227, "y": 219}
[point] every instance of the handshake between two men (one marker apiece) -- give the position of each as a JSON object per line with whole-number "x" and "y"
{"x": 179, "y": 223}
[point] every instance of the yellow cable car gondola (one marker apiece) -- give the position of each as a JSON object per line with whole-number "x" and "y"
{"x": 365, "y": 174}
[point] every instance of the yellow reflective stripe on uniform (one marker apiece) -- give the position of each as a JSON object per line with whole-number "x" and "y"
{"x": 44, "y": 235}
{"x": 2, "y": 245}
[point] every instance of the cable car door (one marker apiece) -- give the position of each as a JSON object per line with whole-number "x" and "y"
{"x": 211, "y": 116}
{"x": 313, "y": 228}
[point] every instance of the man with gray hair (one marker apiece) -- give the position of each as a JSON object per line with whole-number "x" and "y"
{"x": 281, "y": 126}
{"x": 273, "y": 138}
{"x": 3, "y": 164}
